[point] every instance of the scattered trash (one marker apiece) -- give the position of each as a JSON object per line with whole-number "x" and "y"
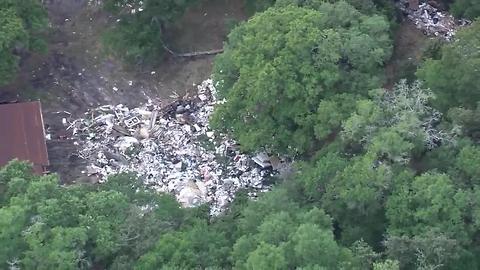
{"x": 432, "y": 21}
{"x": 262, "y": 160}
{"x": 131, "y": 122}
{"x": 173, "y": 149}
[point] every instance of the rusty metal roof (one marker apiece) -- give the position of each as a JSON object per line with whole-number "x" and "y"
{"x": 22, "y": 134}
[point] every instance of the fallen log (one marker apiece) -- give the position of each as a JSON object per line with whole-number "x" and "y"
{"x": 192, "y": 54}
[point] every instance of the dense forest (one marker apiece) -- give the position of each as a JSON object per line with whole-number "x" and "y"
{"x": 385, "y": 179}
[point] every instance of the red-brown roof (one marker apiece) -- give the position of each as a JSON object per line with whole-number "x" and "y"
{"x": 22, "y": 134}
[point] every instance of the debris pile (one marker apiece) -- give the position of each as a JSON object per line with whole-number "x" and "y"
{"x": 172, "y": 148}
{"x": 432, "y": 21}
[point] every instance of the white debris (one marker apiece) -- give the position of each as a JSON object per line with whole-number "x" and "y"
{"x": 172, "y": 148}
{"x": 92, "y": 170}
{"x": 142, "y": 133}
{"x": 262, "y": 160}
{"x": 125, "y": 143}
{"x": 432, "y": 21}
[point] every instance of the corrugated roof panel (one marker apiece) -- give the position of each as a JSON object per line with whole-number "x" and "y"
{"x": 22, "y": 134}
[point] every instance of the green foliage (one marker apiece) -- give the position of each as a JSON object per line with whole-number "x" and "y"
{"x": 138, "y": 33}
{"x": 287, "y": 68}
{"x": 355, "y": 198}
{"x": 21, "y": 23}
{"x": 368, "y": 7}
{"x": 429, "y": 203}
{"x": 265, "y": 257}
{"x": 315, "y": 177}
{"x": 468, "y": 120}
{"x": 459, "y": 86}
{"x": 11, "y": 30}
{"x": 468, "y": 161}
{"x": 392, "y": 123}
{"x": 289, "y": 238}
{"x": 469, "y": 9}
{"x": 54, "y": 248}
{"x": 197, "y": 247}
{"x": 46, "y": 226}
{"x": 430, "y": 250}
{"x": 331, "y": 112}
{"x": 316, "y": 247}
{"x": 387, "y": 265}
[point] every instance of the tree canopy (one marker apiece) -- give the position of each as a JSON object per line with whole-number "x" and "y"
{"x": 459, "y": 86}
{"x": 47, "y": 226}
{"x": 21, "y": 23}
{"x": 469, "y": 9}
{"x": 310, "y": 63}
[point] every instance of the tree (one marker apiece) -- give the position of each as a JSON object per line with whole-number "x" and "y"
{"x": 54, "y": 248}
{"x": 467, "y": 163}
{"x": 196, "y": 247}
{"x": 459, "y": 86}
{"x": 289, "y": 238}
{"x": 332, "y": 112}
{"x": 429, "y": 250}
{"x": 138, "y": 35}
{"x": 46, "y": 226}
{"x": 266, "y": 257}
{"x": 314, "y": 246}
{"x": 279, "y": 66}
{"x": 12, "y": 180}
{"x": 254, "y": 213}
{"x": 386, "y": 265}
{"x": 317, "y": 175}
{"x": 429, "y": 202}
{"x": 11, "y": 30}
{"x": 469, "y": 9}
{"x": 468, "y": 121}
{"x": 355, "y": 199}
{"x": 276, "y": 228}
{"x": 21, "y": 24}
{"x": 368, "y": 7}
{"x": 393, "y": 123}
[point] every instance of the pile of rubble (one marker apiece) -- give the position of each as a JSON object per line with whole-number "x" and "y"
{"x": 430, "y": 20}
{"x": 172, "y": 148}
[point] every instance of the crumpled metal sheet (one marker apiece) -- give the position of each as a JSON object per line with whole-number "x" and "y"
{"x": 171, "y": 147}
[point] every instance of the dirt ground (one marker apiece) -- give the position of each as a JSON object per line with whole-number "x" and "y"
{"x": 409, "y": 46}
{"x": 77, "y": 74}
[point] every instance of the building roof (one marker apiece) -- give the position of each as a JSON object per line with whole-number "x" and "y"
{"x": 22, "y": 134}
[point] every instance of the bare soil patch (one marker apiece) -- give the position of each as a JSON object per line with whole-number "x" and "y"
{"x": 409, "y": 46}
{"x": 77, "y": 74}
